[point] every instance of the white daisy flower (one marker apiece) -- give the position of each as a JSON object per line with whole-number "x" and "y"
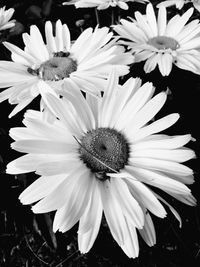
{"x": 85, "y": 63}
{"x": 100, "y": 156}
{"x": 163, "y": 43}
{"x": 102, "y": 4}
{"x": 5, "y": 16}
{"x": 180, "y": 3}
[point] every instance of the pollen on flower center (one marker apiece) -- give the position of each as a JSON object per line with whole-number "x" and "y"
{"x": 57, "y": 68}
{"x": 164, "y": 42}
{"x": 104, "y": 150}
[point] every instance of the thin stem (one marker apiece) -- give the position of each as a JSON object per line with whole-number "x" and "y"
{"x": 97, "y": 16}
{"x": 112, "y": 16}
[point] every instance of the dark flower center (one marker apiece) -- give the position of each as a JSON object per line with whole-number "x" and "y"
{"x": 60, "y": 66}
{"x": 104, "y": 150}
{"x": 164, "y": 42}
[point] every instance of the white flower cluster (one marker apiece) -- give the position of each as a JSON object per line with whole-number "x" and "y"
{"x": 95, "y": 142}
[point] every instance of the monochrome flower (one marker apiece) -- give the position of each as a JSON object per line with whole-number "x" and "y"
{"x": 163, "y": 43}
{"x": 180, "y": 3}
{"x": 85, "y": 63}
{"x": 101, "y": 155}
{"x": 5, "y": 16}
{"x": 102, "y": 4}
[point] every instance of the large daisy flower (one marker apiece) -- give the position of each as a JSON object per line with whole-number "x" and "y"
{"x": 102, "y": 4}
{"x": 163, "y": 43}
{"x": 180, "y": 3}
{"x": 99, "y": 156}
{"x": 85, "y": 63}
{"x": 5, "y": 16}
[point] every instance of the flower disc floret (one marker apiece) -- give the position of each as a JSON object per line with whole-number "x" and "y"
{"x": 164, "y": 42}
{"x": 104, "y": 150}
{"x": 55, "y": 69}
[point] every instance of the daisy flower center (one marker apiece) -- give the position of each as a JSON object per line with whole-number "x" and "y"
{"x": 104, "y": 150}
{"x": 60, "y": 66}
{"x": 164, "y": 42}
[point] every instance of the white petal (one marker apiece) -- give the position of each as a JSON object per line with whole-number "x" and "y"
{"x": 113, "y": 213}
{"x": 146, "y": 113}
{"x": 150, "y": 15}
{"x": 108, "y": 100}
{"x": 58, "y": 37}
{"x": 129, "y": 205}
{"x": 162, "y": 20}
{"x": 173, "y": 30}
{"x": 61, "y": 194}
{"x": 19, "y": 107}
{"x": 90, "y": 221}
{"x": 131, "y": 246}
{"x": 25, "y": 57}
{"x": 165, "y": 64}
{"x": 64, "y": 113}
{"x": 43, "y": 147}
{"x": 155, "y": 127}
{"x": 134, "y": 105}
{"x": 175, "y": 213}
{"x": 41, "y": 188}
{"x": 53, "y": 167}
{"x": 82, "y": 108}
{"x": 146, "y": 197}
{"x": 51, "y": 44}
{"x": 68, "y": 215}
{"x": 177, "y": 155}
{"x": 66, "y": 37}
{"x": 161, "y": 181}
{"x": 148, "y": 231}
{"x": 161, "y": 165}
{"x": 163, "y": 141}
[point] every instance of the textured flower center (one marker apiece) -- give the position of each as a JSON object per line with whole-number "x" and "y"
{"x": 104, "y": 150}
{"x": 164, "y": 42}
{"x": 60, "y": 66}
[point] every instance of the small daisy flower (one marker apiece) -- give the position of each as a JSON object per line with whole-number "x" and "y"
{"x": 180, "y": 3}
{"x": 85, "y": 63}
{"x": 102, "y": 4}
{"x": 163, "y": 43}
{"x": 5, "y": 16}
{"x": 100, "y": 156}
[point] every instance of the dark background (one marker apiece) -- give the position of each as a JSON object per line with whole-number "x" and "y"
{"x": 27, "y": 240}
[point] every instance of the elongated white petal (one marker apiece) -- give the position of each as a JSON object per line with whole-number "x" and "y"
{"x": 146, "y": 113}
{"x": 75, "y": 205}
{"x": 130, "y": 206}
{"x": 61, "y": 194}
{"x": 131, "y": 246}
{"x": 164, "y": 141}
{"x": 156, "y": 126}
{"x": 43, "y": 146}
{"x": 113, "y": 213}
{"x": 146, "y": 197}
{"x": 86, "y": 238}
{"x": 41, "y": 188}
{"x": 161, "y": 181}
{"x": 177, "y": 155}
{"x": 148, "y": 231}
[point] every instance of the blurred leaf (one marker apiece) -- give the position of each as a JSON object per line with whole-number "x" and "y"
{"x": 46, "y": 9}
{"x": 17, "y": 29}
{"x": 34, "y": 12}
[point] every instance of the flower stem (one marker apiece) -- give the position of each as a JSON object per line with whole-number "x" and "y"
{"x": 97, "y": 16}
